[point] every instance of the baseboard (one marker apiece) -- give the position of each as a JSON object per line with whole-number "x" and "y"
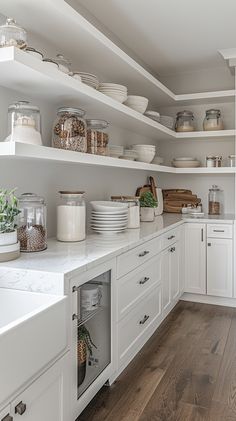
{"x": 209, "y": 299}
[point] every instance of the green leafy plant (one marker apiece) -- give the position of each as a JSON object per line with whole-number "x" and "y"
{"x": 84, "y": 335}
{"x": 8, "y": 210}
{"x": 147, "y": 200}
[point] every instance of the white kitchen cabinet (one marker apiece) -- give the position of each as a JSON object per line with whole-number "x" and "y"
{"x": 219, "y": 267}
{"x": 45, "y": 399}
{"x": 5, "y": 414}
{"x": 195, "y": 258}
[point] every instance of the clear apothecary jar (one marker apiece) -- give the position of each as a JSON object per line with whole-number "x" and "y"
{"x": 232, "y": 160}
{"x": 24, "y": 123}
{"x": 71, "y": 216}
{"x": 213, "y": 120}
{"x": 184, "y": 121}
{"x": 213, "y": 161}
{"x": 133, "y": 209}
{"x": 12, "y": 35}
{"x": 70, "y": 130}
{"x": 32, "y": 228}
{"x": 215, "y": 200}
{"x": 97, "y": 137}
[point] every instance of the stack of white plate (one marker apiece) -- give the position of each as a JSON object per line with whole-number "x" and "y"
{"x": 113, "y": 90}
{"x": 89, "y": 79}
{"x": 154, "y": 115}
{"x": 167, "y": 121}
{"x": 145, "y": 153}
{"x": 129, "y": 154}
{"x": 115, "y": 151}
{"x": 109, "y": 217}
{"x": 137, "y": 103}
{"x": 186, "y": 162}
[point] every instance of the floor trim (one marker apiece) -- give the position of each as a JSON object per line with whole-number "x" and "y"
{"x": 209, "y": 299}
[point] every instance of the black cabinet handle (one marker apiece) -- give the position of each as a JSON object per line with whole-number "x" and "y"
{"x": 144, "y": 253}
{"x": 144, "y": 280}
{"x": 7, "y": 418}
{"x": 171, "y": 237}
{"x": 20, "y": 408}
{"x": 172, "y": 249}
{"x": 144, "y": 320}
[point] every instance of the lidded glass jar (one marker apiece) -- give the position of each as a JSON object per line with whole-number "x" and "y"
{"x": 133, "y": 209}
{"x": 70, "y": 130}
{"x": 71, "y": 216}
{"x": 12, "y": 35}
{"x": 24, "y": 123}
{"x": 184, "y": 121}
{"x": 97, "y": 137}
{"x": 32, "y": 230}
{"x": 215, "y": 200}
{"x": 213, "y": 120}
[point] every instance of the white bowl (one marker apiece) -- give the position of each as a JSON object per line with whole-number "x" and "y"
{"x": 108, "y": 206}
{"x": 119, "y": 98}
{"x": 185, "y": 159}
{"x": 145, "y": 156}
{"x": 186, "y": 164}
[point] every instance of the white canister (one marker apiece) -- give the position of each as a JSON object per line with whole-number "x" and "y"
{"x": 71, "y": 217}
{"x": 90, "y": 297}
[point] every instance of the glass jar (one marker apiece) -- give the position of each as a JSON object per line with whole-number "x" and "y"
{"x": 133, "y": 209}
{"x": 69, "y": 131}
{"x": 213, "y": 120}
{"x": 215, "y": 202}
{"x": 97, "y": 137}
{"x": 24, "y": 123}
{"x": 232, "y": 160}
{"x": 71, "y": 216}
{"x": 184, "y": 121}
{"x": 12, "y": 35}
{"x": 32, "y": 230}
{"x": 213, "y": 161}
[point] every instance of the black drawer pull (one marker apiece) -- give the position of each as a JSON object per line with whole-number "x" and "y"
{"x": 144, "y": 253}
{"x": 218, "y": 230}
{"x": 7, "y": 418}
{"x": 20, "y": 408}
{"x": 171, "y": 237}
{"x": 144, "y": 280}
{"x": 144, "y": 320}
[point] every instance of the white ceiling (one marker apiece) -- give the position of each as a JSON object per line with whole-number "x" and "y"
{"x": 170, "y": 36}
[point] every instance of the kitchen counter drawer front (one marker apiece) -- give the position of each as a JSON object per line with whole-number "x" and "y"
{"x": 134, "y": 325}
{"x": 137, "y": 256}
{"x": 219, "y": 230}
{"x": 170, "y": 237}
{"x": 132, "y": 287}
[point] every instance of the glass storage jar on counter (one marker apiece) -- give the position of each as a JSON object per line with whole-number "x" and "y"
{"x": 71, "y": 216}
{"x": 24, "y": 123}
{"x": 12, "y": 35}
{"x": 213, "y": 120}
{"x": 32, "y": 230}
{"x": 97, "y": 137}
{"x": 69, "y": 130}
{"x": 185, "y": 121}
{"x": 215, "y": 200}
{"x": 133, "y": 209}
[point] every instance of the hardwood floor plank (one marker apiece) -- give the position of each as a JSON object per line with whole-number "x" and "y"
{"x": 187, "y": 412}
{"x": 221, "y": 412}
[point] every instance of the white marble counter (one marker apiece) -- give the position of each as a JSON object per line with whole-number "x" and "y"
{"x": 47, "y": 270}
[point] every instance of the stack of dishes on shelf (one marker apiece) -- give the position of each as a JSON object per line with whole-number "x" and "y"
{"x": 137, "y": 103}
{"x": 154, "y": 115}
{"x": 186, "y": 162}
{"x": 113, "y": 90}
{"x": 115, "y": 151}
{"x": 145, "y": 153}
{"x": 167, "y": 121}
{"x": 88, "y": 78}
{"x": 109, "y": 217}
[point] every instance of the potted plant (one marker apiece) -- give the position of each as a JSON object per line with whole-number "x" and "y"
{"x": 85, "y": 345}
{"x": 9, "y": 247}
{"x": 147, "y": 204}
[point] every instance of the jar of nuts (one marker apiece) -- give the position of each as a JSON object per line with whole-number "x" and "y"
{"x": 97, "y": 137}
{"x": 69, "y": 130}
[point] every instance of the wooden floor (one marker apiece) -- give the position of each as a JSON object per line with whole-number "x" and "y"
{"x": 187, "y": 371}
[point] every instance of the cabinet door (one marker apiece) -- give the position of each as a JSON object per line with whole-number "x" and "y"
{"x": 219, "y": 267}
{"x": 165, "y": 279}
{"x": 174, "y": 270}
{"x": 5, "y": 414}
{"x": 45, "y": 398}
{"x": 195, "y": 258}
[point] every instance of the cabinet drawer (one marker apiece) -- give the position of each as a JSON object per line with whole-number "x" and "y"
{"x": 132, "y": 287}
{"x": 133, "y": 326}
{"x": 170, "y": 237}
{"x": 137, "y": 256}
{"x": 219, "y": 231}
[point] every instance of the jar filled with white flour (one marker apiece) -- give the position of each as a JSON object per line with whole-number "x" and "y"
{"x": 71, "y": 216}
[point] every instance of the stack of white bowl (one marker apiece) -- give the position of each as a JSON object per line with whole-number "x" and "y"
{"x": 146, "y": 153}
{"x": 89, "y": 79}
{"x": 113, "y": 90}
{"x": 115, "y": 151}
{"x": 109, "y": 217}
{"x": 137, "y": 103}
{"x": 186, "y": 162}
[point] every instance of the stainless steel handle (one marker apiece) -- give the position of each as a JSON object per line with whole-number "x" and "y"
{"x": 78, "y": 315}
{"x": 209, "y": 244}
{"x": 144, "y": 280}
{"x": 171, "y": 237}
{"x": 7, "y": 418}
{"x": 144, "y": 253}
{"x": 218, "y": 230}
{"x": 144, "y": 320}
{"x": 202, "y": 235}
{"x": 20, "y": 408}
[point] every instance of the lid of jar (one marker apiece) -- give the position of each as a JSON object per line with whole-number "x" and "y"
{"x": 33, "y": 50}
{"x": 49, "y": 60}
{"x": 214, "y": 188}
{"x": 232, "y": 156}
{"x": 97, "y": 124}
{"x": 214, "y": 157}
{"x": 11, "y": 23}
{"x": 70, "y": 110}
{"x": 213, "y": 111}
{"x": 31, "y": 198}
{"x": 23, "y": 105}
{"x": 69, "y": 192}
{"x": 185, "y": 113}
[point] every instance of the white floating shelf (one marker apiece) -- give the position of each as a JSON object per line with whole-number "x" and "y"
{"x": 11, "y": 150}
{"x": 205, "y": 135}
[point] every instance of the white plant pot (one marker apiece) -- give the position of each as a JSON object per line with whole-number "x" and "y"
{"x": 8, "y": 238}
{"x": 9, "y": 252}
{"x": 147, "y": 214}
